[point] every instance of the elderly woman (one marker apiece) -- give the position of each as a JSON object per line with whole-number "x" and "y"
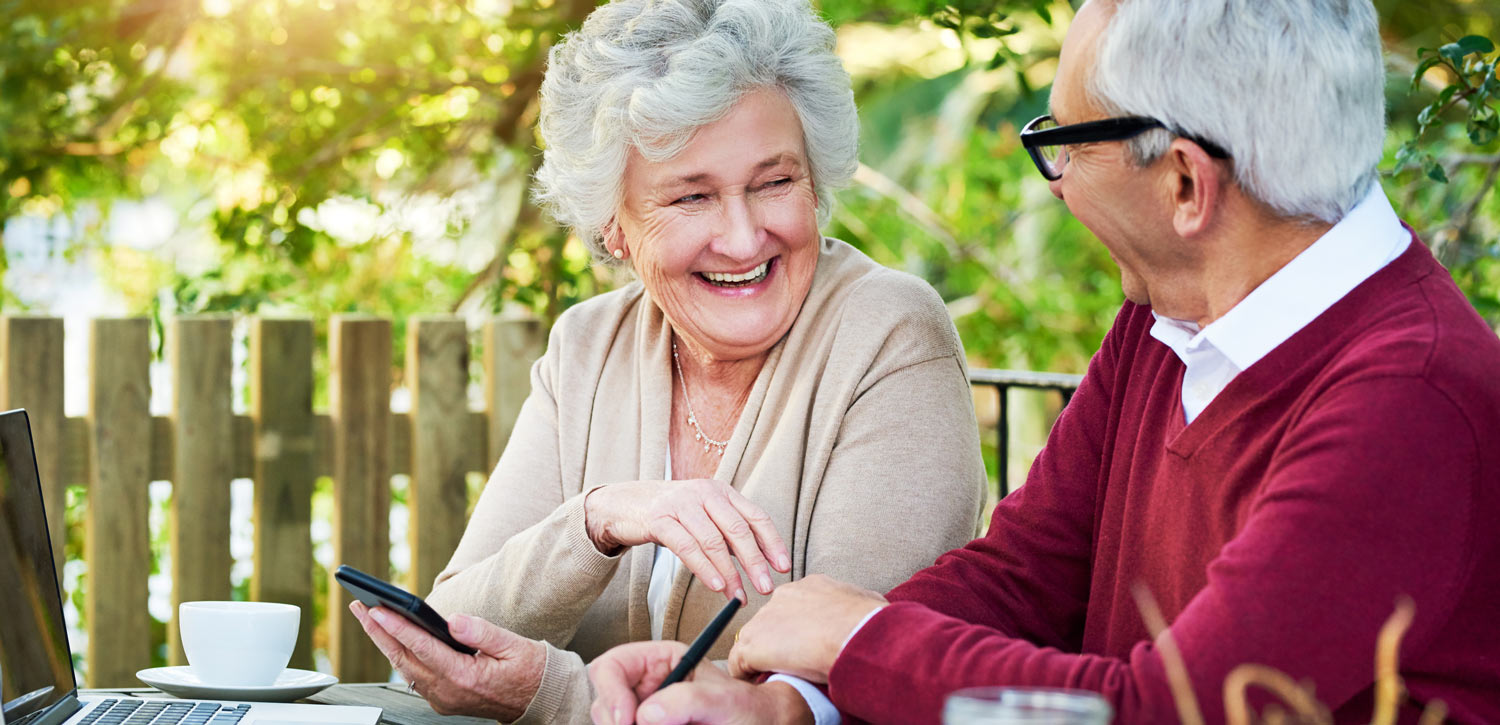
{"x": 761, "y": 396}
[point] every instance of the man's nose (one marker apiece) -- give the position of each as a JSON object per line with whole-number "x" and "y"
{"x": 1055, "y": 186}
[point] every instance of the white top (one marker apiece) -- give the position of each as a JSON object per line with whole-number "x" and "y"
{"x": 663, "y": 571}
{"x": 1369, "y": 237}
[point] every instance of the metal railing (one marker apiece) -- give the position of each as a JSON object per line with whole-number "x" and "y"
{"x": 1002, "y": 381}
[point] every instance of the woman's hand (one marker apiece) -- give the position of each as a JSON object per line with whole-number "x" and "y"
{"x": 496, "y": 683}
{"x": 703, "y": 522}
{"x": 627, "y": 678}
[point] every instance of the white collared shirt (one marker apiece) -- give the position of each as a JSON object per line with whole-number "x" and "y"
{"x": 1369, "y": 237}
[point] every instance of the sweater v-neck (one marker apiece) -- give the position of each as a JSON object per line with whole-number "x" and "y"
{"x": 1285, "y": 364}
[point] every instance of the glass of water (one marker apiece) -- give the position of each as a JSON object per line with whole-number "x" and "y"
{"x": 1022, "y": 706}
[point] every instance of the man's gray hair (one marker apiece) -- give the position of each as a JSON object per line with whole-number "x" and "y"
{"x": 1294, "y": 90}
{"x": 648, "y": 73}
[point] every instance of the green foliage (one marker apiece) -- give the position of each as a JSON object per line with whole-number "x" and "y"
{"x": 1450, "y": 162}
{"x": 968, "y": 19}
{"x": 1473, "y": 86}
{"x": 249, "y": 117}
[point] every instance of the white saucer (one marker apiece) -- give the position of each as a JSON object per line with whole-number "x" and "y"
{"x": 290, "y": 685}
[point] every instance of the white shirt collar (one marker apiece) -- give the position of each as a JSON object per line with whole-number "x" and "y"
{"x": 1358, "y": 246}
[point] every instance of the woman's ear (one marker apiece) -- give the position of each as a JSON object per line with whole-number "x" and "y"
{"x": 614, "y": 239}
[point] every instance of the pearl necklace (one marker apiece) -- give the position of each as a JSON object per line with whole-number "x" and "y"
{"x": 692, "y": 419}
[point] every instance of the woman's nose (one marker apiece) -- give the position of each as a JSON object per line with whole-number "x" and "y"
{"x": 739, "y": 232}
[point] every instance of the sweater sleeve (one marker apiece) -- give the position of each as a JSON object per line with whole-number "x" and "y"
{"x": 565, "y": 694}
{"x": 523, "y": 525}
{"x": 1029, "y": 575}
{"x": 905, "y": 466}
{"x": 1368, "y": 498}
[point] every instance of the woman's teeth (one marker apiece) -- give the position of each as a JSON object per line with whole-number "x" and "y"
{"x": 738, "y": 280}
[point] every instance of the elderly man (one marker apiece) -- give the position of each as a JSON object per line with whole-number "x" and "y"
{"x": 1292, "y": 424}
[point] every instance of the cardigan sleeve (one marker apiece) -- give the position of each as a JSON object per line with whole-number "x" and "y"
{"x": 1370, "y": 498}
{"x": 565, "y": 694}
{"x": 523, "y": 526}
{"x": 903, "y": 480}
{"x": 911, "y": 437}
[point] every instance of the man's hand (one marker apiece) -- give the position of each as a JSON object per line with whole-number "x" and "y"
{"x": 496, "y": 683}
{"x": 626, "y": 681}
{"x": 801, "y": 630}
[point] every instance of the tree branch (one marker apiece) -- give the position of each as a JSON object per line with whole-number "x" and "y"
{"x": 909, "y": 204}
{"x": 1466, "y": 217}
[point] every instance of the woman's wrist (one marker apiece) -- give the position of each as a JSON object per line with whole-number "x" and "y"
{"x": 596, "y": 521}
{"x": 528, "y": 682}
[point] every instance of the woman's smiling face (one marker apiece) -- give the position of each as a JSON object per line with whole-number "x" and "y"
{"x": 724, "y": 235}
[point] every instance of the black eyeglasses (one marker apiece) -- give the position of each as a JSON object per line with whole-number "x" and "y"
{"x": 1044, "y": 139}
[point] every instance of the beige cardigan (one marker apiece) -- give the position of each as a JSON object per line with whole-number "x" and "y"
{"x": 858, "y": 439}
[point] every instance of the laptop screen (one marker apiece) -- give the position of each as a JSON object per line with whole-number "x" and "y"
{"x": 36, "y": 667}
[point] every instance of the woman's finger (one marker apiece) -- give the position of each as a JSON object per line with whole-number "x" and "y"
{"x": 489, "y": 638}
{"x": 432, "y": 654}
{"x": 614, "y": 691}
{"x": 625, "y": 675}
{"x": 697, "y": 522}
{"x": 765, "y": 530}
{"x": 741, "y": 539}
{"x": 706, "y": 701}
{"x": 669, "y": 533}
{"x": 411, "y": 669}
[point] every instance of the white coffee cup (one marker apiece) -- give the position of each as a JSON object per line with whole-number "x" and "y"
{"x": 239, "y": 644}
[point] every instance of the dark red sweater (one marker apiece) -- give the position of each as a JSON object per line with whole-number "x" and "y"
{"x": 1356, "y": 462}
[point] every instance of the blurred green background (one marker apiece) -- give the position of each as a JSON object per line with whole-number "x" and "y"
{"x": 314, "y": 157}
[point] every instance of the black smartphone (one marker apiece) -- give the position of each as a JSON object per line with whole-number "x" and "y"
{"x": 374, "y": 592}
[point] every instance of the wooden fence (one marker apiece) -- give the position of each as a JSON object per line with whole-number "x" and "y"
{"x": 283, "y": 445}
{"x": 119, "y": 447}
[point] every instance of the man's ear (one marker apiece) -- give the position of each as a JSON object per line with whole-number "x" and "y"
{"x": 1195, "y": 185}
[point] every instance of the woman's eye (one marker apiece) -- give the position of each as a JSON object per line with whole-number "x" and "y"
{"x": 689, "y": 199}
{"x": 783, "y": 181}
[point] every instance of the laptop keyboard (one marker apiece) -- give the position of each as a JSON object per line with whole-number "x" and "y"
{"x": 163, "y": 712}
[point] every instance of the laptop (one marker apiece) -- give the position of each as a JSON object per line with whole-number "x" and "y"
{"x": 36, "y": 664}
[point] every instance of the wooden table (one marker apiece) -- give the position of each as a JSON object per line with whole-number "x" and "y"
{"x": 398, "y": 707}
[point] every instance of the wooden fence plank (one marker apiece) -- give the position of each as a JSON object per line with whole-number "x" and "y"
{"x": 360, "y": 408}
{"x": 437, "y": 374}
{"x": 281, "y": 397}
{"x": 74, "y": 435}
{"x": 117, "y": 540}
{"x": 31, "y": 349}
{"x": 202, "y": 434}
{"x": 510, "y": 347}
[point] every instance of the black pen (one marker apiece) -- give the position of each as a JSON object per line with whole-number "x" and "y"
{"x": 700, "y": 645}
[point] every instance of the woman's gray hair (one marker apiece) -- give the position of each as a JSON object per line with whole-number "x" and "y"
{"x": 1294, "y": 90}
{"x": 648, "y": 73}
